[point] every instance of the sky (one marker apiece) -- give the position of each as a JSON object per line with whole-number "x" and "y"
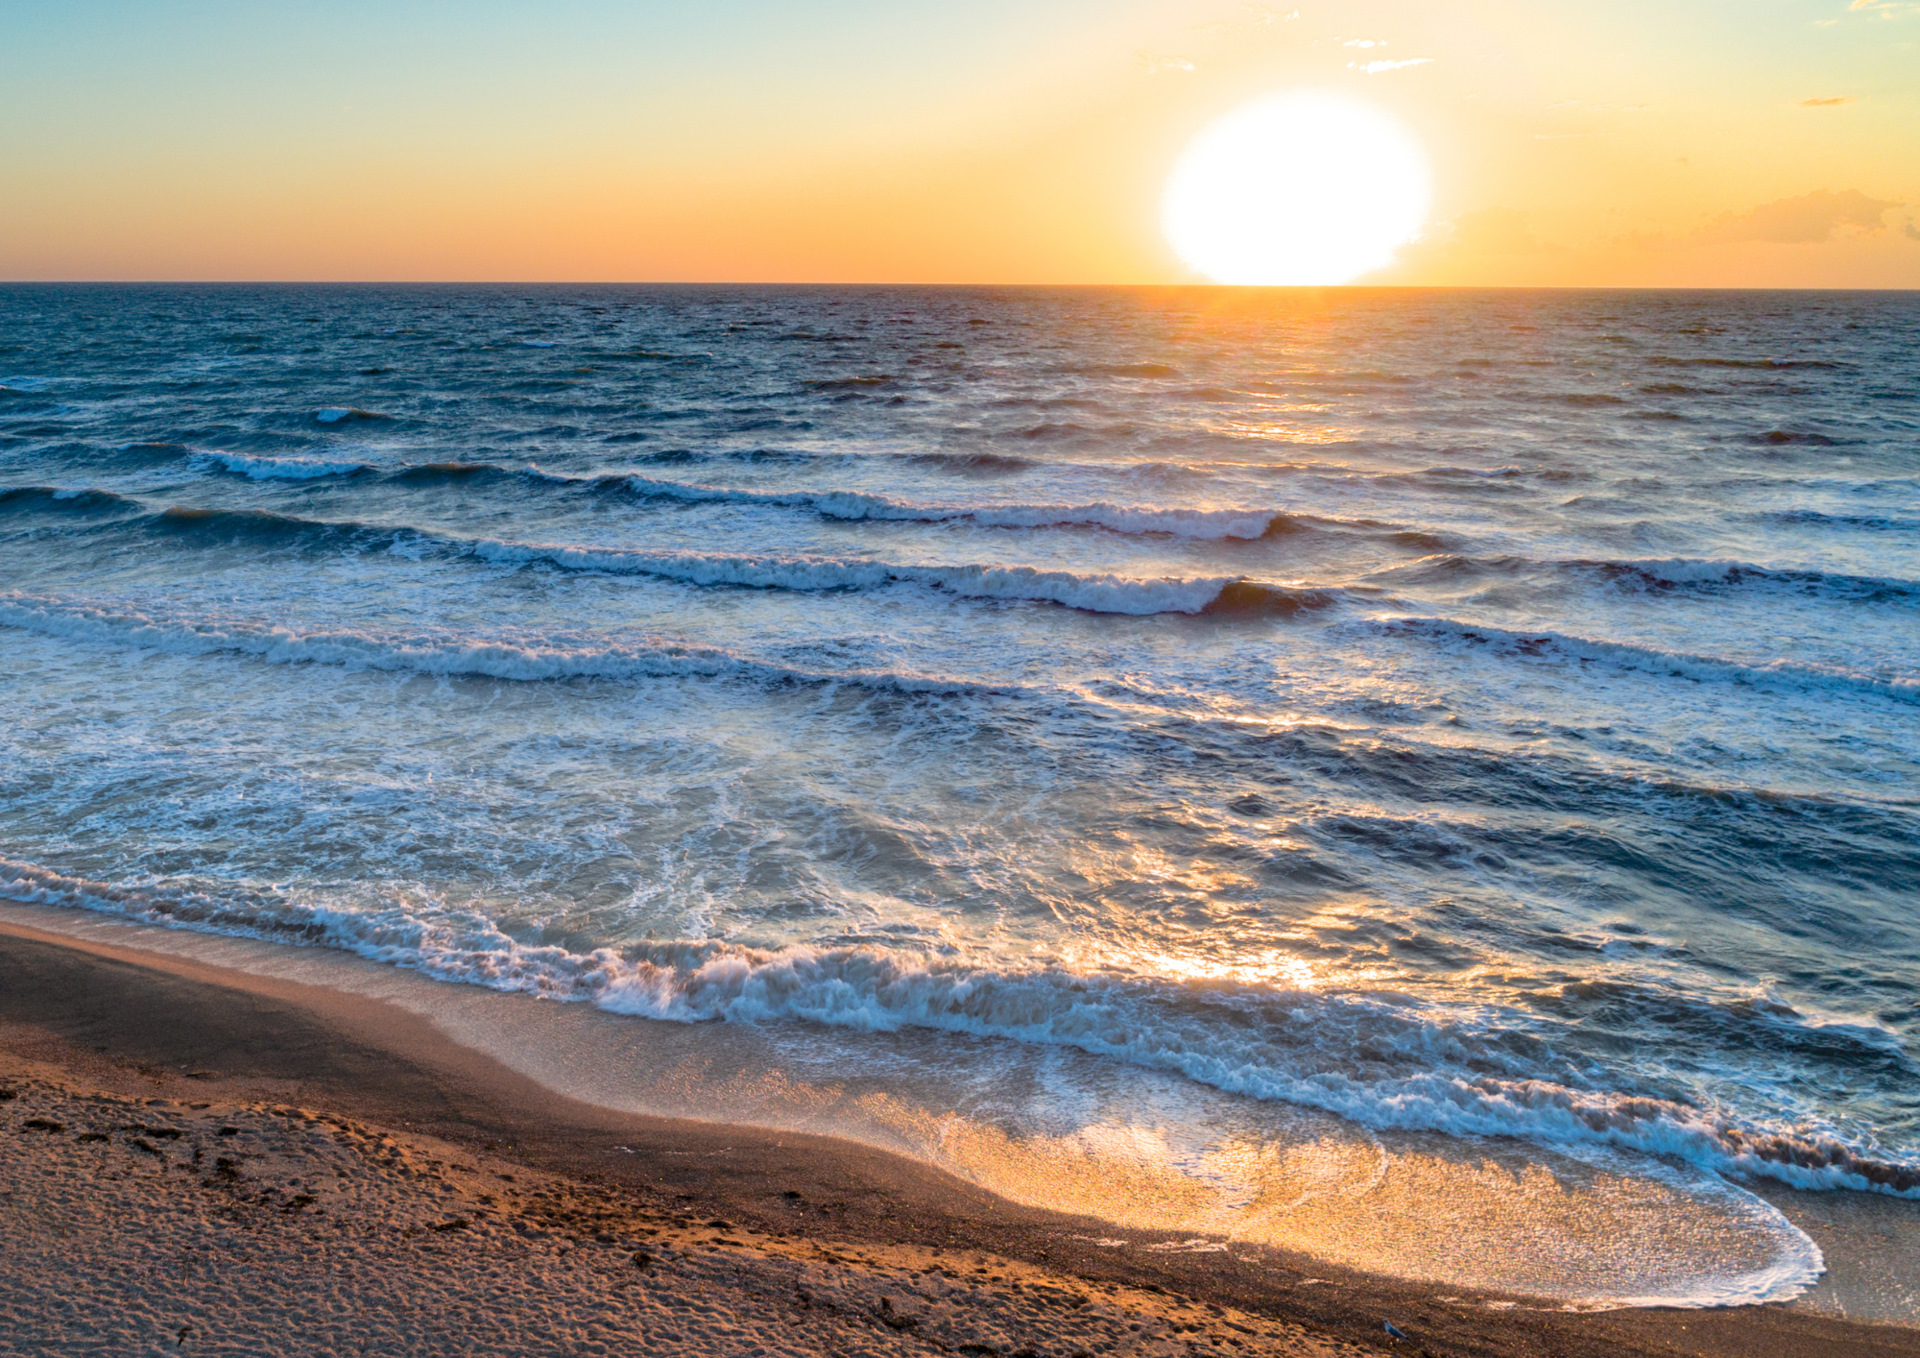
{"x": 1749, "y": 143}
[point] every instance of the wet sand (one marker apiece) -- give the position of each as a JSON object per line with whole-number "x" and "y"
{"x": 389, "y": 1191}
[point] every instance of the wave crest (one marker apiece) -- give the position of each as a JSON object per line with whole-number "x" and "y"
{"x": 1202, "y": 524}
{"x": 1779, "y": 674}
{"x": 1095, "y": 593}
{"x": 1665, "y": 574}
{"x": 77, "y": 502}
{"x": 279, "y": 468}
{"x": 510, "y": 658}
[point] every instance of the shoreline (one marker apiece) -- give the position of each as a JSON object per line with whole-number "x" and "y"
{"x": 124, "y": 1021}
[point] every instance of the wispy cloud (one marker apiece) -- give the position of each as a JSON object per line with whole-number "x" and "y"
{"x": 1376, "y": 67}
{"x": 1363, "y": 42}
{"x": 1827, "y": 103}
{"x": 1806, "y": 220}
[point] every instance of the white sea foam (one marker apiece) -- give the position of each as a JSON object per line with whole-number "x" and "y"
{"x": 1682, "y": 570}
{"x": 1094, "y": 592}
{"x": 1384, "y": 1065}
{"x": 279, "y": 468}
{"x": 526, "y": 659}
{"x": 1098, "y": 593}
{"x": 1204, "y": 524}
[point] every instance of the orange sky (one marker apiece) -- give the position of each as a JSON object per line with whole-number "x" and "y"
{"x": 1771, "y": 143}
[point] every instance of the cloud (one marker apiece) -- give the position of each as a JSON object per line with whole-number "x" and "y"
{"x": 1363, "y": 42}
{"x": 1376, "y": 67}
{"x": 1912, "y": 232}
{"x": 1806, "y": 220}
{"x": 1826, "y": 103}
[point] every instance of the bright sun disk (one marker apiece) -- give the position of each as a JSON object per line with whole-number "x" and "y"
{"x": 1304, "y": 188}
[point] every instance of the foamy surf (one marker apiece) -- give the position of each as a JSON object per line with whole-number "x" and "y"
{"x": 1429, "y": 1071}
{"x": 529, "y": 660}
{"x": 279, "y": 468}
{"x": 1094, "y": 593}
{"x": 1203, "y": 524}
{"x": 1141, "y": 1149}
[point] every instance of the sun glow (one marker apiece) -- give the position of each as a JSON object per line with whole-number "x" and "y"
{"x": 1296, "y": 189}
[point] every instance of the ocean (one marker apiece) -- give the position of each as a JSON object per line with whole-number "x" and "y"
{"x": 1253, "y": 764}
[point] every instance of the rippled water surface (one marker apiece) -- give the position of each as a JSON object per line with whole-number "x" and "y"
{"x": 1478, "y": 714}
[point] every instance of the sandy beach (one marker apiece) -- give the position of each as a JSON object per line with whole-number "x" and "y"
{"x": 202, "y": 1160}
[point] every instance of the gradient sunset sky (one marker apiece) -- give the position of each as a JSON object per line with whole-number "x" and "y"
{"x": 1710, "y": 142}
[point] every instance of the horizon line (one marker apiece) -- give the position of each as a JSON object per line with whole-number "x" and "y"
{"x": 1242, "y": 288}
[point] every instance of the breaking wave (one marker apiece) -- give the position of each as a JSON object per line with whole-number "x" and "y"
{"x": 1094, "y": 593}
{"x": 81, "y": 502}
{"x": 436, "y": 473}
{"x": 1196, "y": 524}
{"x": 1669, "y": 574}
{"x": 1685, "y": 572}
{"x": 1780, "y": 675}
{"x": 1381, "y": 1063}
{"x": 1813, "y": 518}
{"x": 279, "y": 468}
{"x": 1090, "y": 591}
{"x": 1133, "y": 520}
{"x": 1213, "y": 524}
{"x": 511, "y": 657}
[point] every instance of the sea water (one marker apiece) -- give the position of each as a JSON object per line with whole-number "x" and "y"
{"x": 1249, "y": 763}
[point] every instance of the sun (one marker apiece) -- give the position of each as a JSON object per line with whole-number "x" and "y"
{"x": 1296, "y": 189}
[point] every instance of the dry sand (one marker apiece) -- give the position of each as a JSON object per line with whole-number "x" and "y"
{"x": 138, "y": 1226}
{"x": 195, "y": 1160}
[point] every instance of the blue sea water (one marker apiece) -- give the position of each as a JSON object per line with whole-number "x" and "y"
{"x": 1490, "y": 714}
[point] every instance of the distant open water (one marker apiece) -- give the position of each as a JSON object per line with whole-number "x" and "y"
{"x": 1487, "y": 713}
